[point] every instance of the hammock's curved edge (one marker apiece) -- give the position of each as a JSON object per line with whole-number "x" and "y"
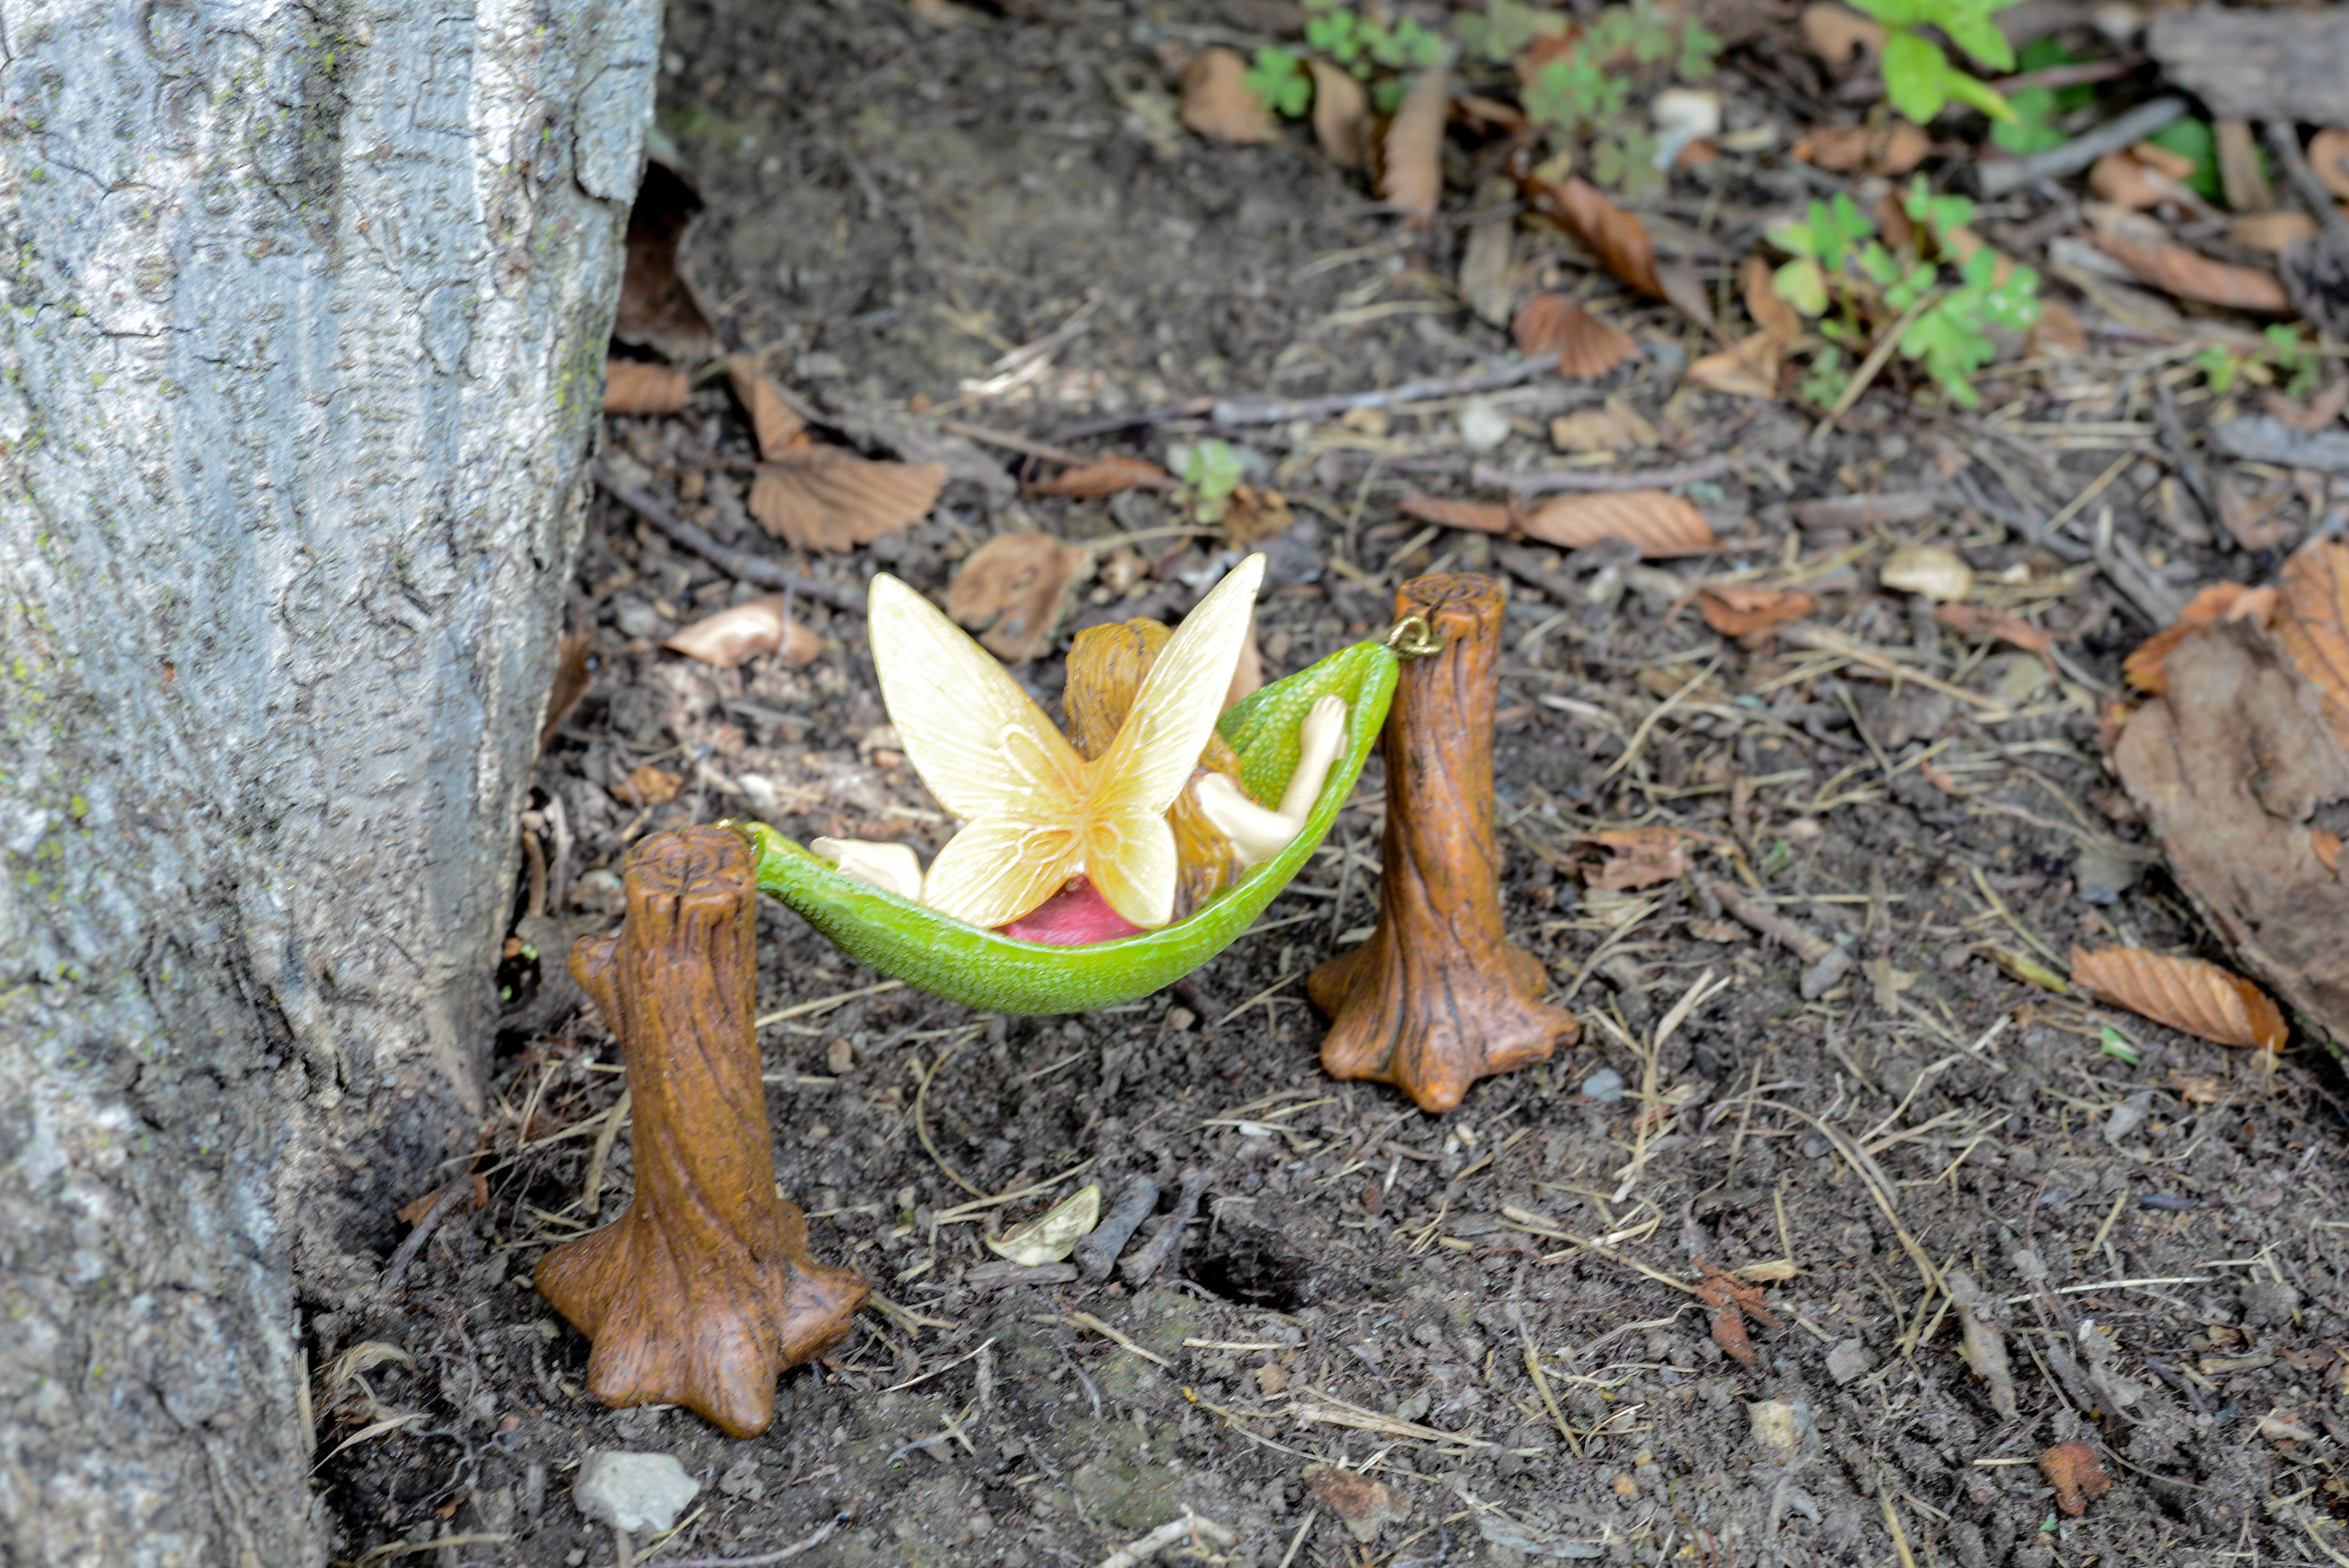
{"x": 998, "y": 975}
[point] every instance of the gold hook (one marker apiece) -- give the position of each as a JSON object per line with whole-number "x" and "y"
{"x": 1413, "y": 638}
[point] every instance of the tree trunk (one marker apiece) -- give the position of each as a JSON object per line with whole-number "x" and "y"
{"x": 301, "y": 329}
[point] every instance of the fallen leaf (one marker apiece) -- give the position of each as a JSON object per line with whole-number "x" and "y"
{"x": 1981, "y": 620}
{"x": 2176, "y": 270}
{"x": 2219, "y": 601}
{"x": 649, "y": 785}
{"x": 1053, "y": 1234}
{"x": 1984, "y": 1345}
{"x": 1483, "y": 516}
{"x": 1652, "y": 522}
{"x": 1412, "y": 177}
{"x": 754, "y": 626}
{"x": 1734, "y": 610}
{"x": 2198, "y": 1088}
{"x": 2312, "y": 622}
{"x": 572, "y": 676}
{"x": 633, "y": 387}
{"x": 1622, "y": 859}
{"x": 1108, "y": 476}
{"x": 2271, "y": 231}
{"x": 2328, "y": 159}
{"x": 1271, "y": 1379}
{"x": 1835, "y": 35}
{"x": 1617, "y": 239}
{"x": 773, "y": 426}
{"x": 2254, "y": 524}
{"x": 2127, "y": 179}
{"x": 658, "y": 307}
{"x": 830, "y": 501}
{"x": 2078, "y": 1475}
{"x": 2281, "y": 1426}
{"x": 1748, "y": 371}
{"x": 1585, "y": 344}
{"x": 2188, "y": 993}
{"x": 1611, "y": 428}
{"x": 1363, "y": 1505}
{"x": 1940, "y": 574}
{"x": 1341, "y": 115}
{"x": 2321, "y": 409}
{"x": 1733, "y": 1301}
{"x": 1771, "y": 1271}
{"x": 1771, "y": 314}
{"x": 1013, "y": 590}
{"x": 1893, "y": 149}
{"x": 1717, "y": 932}
{"x": 2057, "y": 330}
{"x": 1217, "y": 102}
{"x": 1253, "y": 516}
{"x": 477, "y": 1184}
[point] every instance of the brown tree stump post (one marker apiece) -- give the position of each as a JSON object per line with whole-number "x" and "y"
{"x": 704, "y": 1290}
{"x": 1438, "y": 997}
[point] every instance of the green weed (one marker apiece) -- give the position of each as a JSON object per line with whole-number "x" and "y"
{"x": 1918, "y": 75}
{"x": 1210, "y": 472}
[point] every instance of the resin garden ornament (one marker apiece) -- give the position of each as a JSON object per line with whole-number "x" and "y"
{"x": 1104, "y": 865}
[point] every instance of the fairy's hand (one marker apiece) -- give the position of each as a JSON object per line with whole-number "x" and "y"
{"x": 891, "y": 867}
{"x": 1259, "y": 834}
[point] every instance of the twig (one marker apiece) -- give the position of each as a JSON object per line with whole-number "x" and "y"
{"x": 781, "y": 1554}
{"x": 921, "y": 1126}
{"x": 1546, "y": 480}
{"x": 1778, "y": 928}
{"x": 2121, "y": 130}
{"x": 1190, "y": 1527}
{"x": 2283, "y": 146}
{"x": 1260, "y": 410}
{"x": 591, "y": 1190}
{"x": 2181, "y": 456}
{"x": 738, "y": 564}
{"x": 449, "y": 1195}
{"x": 1087, "y": 1320}
{"x": 1188, "y": 408}
{"x": 1870, "y": 367}
{"x": 1017, "y": 443}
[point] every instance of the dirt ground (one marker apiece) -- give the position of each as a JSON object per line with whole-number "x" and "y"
{"x": 896, "y": 198}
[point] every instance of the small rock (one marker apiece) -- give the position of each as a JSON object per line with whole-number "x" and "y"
{"x": 1179, "y": 1019}
{"x": 1483, "y": 427}
{"x": 839, "y": 1057}
{"x": 2127, "y": 1117}
{"x": 638, "y": 620}
{"x": 2269, "y": 1303}
{"x": 741, "y": 1478}
{"x": 1820, "y": 978}
{"x": 633, "y": 1492}
{"x": 1605, "y": 1085}
{"x": 1782, "y": 1429}
{"x": 1363, "y": 1504}
{"x": 2103, "y": 877}
{"x": 1847, "y": 1360}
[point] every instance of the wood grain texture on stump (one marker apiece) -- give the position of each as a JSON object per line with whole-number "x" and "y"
{"x": 704, "y": 1290}
{"x": 1439, "y": 997}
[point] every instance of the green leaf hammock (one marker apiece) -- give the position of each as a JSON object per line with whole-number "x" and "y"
{"x": 995, "y": 973}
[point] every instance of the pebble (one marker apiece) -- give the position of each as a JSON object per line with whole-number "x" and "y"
{"x": 1605, "y": 1085}
{"x": 2127, "y": 1117}
{"x": 637, "y": 619}
{"x": 1847, "y": 1360}
{"x": 633, "y": 1492}
{"x": 1483, "y": 427}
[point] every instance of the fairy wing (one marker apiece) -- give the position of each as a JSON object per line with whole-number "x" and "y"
{"x": 974, "y": 737}
{"x": 1175, "y": 710}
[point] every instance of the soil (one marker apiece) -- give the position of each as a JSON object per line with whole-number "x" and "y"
{"x": 896, "y": 198}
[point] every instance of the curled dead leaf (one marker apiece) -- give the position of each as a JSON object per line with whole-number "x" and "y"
{"x": 1363, "y": 1505}
{"x": 754, "y": 626}
{"x": 2078, "y": 1475}
{"x": 2328, "y": 159}
{"x": 1835, "y": 34}
{"x": 572, "y": 676}
{"x": 1893, "y": 148}
{"x": 1940, "y": 574}
{"x": 1611, "y": 428}
{"x": 1652, "y": 522}
{"x": 1734, "y": 610}
{"x": 1014, "y": 590}
{"x": 2219, "y": 601}
{"x": 1253, "y": 516}
{"x": 1750, "y": 370}
{"x": 2057, "y": 330}
{"x": 659, "y": 308}
{"x": 2132, "y": 180}
{"x": 2190, "y": 994}
{"x": 633, "y": 387}
{"x": 2311, "y": 621}
{"x": 1585, "y": 344}
{"x": 1621, "y": 859}
{"x": 474, "y": 1183}
{"x": 2315, "y": 414}
{"x": 1053, "y": 1234}
{"x": 2271, "y": 231}
{"x": 1341, "y": 115}
{"x": 773, "y": 426}
{"x": 647, "y": 785}
{"x": 1412, "y": 179}
{"x": 1483, "y": 516}
{"x": 1108, "y": 476}
{"x": 1617, "y": 239}
{"x": 1981, "y": 620}
{"x": 829, "y": 501}
{"x": 1771, "y": 314}
{"x": 2176, "y": 270}
{"x": 2254, "y": 524}
{"x": 1217, "y": 102}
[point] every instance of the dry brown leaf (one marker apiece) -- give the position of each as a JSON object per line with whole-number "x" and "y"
{"x": 1621, "y": 859}
{"x": 773, "y": 426}
{"x": 1217, "y": 102}
{"x": 1748, "y": 371}
{"x": 571, "y": 679}
{"x": 2176, "y": 270}
{"x": 2126, "y": 182}
{"x": 659, "y": 308}
{"x": 1412, "y": 177}
{"x": 2190, "y": 994}
{"x": 633, "y": 387}
{"x": 828, "y": 502}
{"x": 647, "y": 785}
{"x": 1734, "y": 610}
{"x": 1654, "y": 522}
{"x": 2057, "y": 331}
{"x": 2321, "y": 409}
{"x": 2161, "y": 161}
{"x": 1107, "y": 476}
{"x": 2271, "y": 231}
{"x": 2328, "y": 159}
{"x": 2219, "y": 601}
{"x": 2198, "y": 1088}
{"x": 1893, "y": 149}
{"x": 1981, "y": 620}
{"x": 1483, "y": 516}
{"x": 475, "y": 1182}
{"x": 1611, "y": 428}
{"x": 1253, "y": 516}
{"x": 1617, "y": 239}
{"x": 1341, "y": 115}
{"x": 1014, "y": 590}
{"x": 754, "y": 626}
{"x": 2254, "y": 524}
{"x": 1585, "y": 344}
{"x": 2078, "y": 1475}
{"x": 2311, "y": 621}
{"x": 1770, "y": 313}
{"x": 1835, "y": 35}
{"x": 1363, "y": 1505}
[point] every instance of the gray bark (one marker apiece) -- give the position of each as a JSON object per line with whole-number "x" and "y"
{"x": 302, "y": 317}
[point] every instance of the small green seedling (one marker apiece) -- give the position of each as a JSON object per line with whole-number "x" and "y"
{"x": 1210, "y": 472}
{"x": 1918, "y": 75}
{"x": 1582, "y": 101}
{"x": 2114, "y": 1044}
{"x": 1281, "y": 82}
{"x": 2286, "y": 357}
{"x": 2037, "y": 108}
{"x": 1383, "y": 56}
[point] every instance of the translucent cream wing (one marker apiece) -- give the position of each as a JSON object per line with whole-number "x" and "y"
{"x": 979, "y": 741}
{"x": 1175, "y": 710}
{"x": 997, "y": 869}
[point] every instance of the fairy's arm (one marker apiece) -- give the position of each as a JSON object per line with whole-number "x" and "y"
{"x": 891, "y": 867}
{"x": 1257, "y": 833}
